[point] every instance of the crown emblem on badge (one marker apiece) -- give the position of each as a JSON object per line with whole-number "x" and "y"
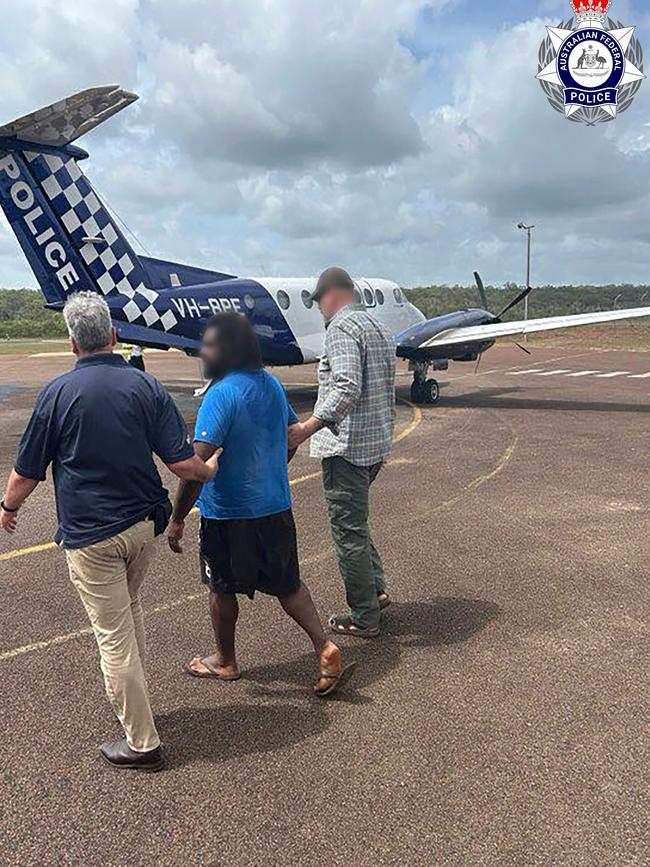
{"x": 591, "y": 10}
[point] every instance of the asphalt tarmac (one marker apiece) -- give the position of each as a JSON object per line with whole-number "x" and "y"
{"x": 500, "y": 719}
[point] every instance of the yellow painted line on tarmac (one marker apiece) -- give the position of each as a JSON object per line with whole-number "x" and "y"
{"x": 479, "y": 481}
{"x": 32, "y": 549}
{"x": 87, "y": 630}
{"x": 417, "y": 418}
{"x": 45, "y": 644}
{"x": 301, "y": 479}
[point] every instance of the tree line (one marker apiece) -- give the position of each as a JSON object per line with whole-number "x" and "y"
{"x": 22, "y": 313}
{"x": 543, "y": 301}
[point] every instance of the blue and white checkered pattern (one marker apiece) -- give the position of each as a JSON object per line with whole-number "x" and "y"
{"x": 112, "y": 263}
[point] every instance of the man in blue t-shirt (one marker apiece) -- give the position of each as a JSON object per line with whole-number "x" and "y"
{"x": 248, "y": 535}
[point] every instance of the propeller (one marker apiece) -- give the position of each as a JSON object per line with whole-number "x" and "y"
{"x": 522, "y": 295}
{"x": 481, "y": 289}
{"x": 484, "y": 301}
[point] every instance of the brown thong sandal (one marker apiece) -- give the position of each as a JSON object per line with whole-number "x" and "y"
{"x": 210, "y": 673}
{"x": 338, "y": 680}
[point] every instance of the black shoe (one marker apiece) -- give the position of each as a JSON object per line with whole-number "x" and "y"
{"x": 120, "y": 755}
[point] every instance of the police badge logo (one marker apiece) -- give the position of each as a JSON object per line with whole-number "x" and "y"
{"x": 589, "y": 71}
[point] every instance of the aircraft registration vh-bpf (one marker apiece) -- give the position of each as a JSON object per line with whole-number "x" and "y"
{"x": 73, "y": 243}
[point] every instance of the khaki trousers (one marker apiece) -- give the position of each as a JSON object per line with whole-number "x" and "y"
{"x": 108, "y": 576}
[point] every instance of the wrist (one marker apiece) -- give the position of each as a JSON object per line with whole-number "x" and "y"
{"x": 313, "y": 425}
{"x": 8, "y": 509}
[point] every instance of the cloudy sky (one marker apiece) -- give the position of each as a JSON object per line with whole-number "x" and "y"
{"x": 401, "y": 138}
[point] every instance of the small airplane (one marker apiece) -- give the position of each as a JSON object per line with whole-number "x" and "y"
{"x": 73, "y": 243}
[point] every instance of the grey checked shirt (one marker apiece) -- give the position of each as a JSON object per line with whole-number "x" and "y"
{"x": 356, "y": 390}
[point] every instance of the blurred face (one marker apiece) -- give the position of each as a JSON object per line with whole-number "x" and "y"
{"x": 333, "y": 300}
{"x": 211, "y": 355}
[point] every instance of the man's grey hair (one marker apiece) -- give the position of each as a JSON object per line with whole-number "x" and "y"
{"x": 89, "y": 320}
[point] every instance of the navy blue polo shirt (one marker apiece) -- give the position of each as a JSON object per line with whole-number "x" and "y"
{"x": 98, "y": 425}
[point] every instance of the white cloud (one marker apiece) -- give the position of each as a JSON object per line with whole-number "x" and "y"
{"x": 286, "y": 84}
{"x": 49, "y": 48}
{"x": 282, "y": 136}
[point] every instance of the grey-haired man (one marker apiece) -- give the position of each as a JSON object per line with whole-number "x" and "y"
{"x": 98, "y": 426}
{"x": 351, "y": 431}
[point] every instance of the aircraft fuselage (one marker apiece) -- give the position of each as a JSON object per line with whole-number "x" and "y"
{"x": 289, "y": 326}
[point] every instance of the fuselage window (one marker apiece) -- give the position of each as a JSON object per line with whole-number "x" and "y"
{"x": 307, "y": 300}
{"x": 367, "y": 294}
{"x": 249, "y": 301}
{"x": 380, "y": 296}
{"x": 283, "y": 299}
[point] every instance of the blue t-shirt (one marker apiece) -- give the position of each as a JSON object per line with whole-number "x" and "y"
{"x": 247, "y": 414}
{"x": 97, "y": 425}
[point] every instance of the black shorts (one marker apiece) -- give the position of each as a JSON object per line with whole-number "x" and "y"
{"x": 242, "y": 556}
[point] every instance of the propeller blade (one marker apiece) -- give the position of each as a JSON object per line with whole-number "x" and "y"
{"x": 481, "y": 290}
{"x": 516, "y": 301}
{"x": 523, "y": 348}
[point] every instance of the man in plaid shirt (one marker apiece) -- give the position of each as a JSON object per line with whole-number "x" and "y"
{"x": 352, "y": 431}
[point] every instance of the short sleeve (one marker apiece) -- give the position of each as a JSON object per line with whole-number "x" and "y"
{"x": 37, "y": 446}
{"x": 292, "y": 418}
{"x": 215, "y": 416}
{"x": 171, "y": 439}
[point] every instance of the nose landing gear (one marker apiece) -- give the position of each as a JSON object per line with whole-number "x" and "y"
{"x": 427, "y": 392}
{"x": 423, "y": 390}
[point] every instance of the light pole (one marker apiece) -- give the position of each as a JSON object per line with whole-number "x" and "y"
{"x": 528, "y": 230}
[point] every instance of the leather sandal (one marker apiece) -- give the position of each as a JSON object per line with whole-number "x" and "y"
{"x": 342, "y": 624}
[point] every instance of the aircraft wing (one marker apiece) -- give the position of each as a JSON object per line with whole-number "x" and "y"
{"x": 62, "y": 122}
{"x": 530, "y": 326}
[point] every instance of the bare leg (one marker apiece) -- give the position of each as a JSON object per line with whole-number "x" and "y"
{"x": 300, "y": 607}
{"x": 224, "y": 610}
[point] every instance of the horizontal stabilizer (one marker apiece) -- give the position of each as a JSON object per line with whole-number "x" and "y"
{"x": 162, "y": 274}
{"x": 62, "y": 122}
{"x": 508, "y": 329}
{"x": 147, "y": 337}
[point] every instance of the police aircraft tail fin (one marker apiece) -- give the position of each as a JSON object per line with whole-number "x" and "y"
{"x": 67, "y": 234}
{"x": 65, "y": 121}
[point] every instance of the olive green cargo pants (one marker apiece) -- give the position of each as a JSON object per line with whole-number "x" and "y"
{"x": 346, "y": 492}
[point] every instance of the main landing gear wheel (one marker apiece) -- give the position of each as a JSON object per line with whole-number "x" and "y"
{"x": 426, "y": 392}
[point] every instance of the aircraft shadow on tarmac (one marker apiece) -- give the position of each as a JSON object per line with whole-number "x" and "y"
{"x": 496, "y": 398}
{"x": 222, "y": 733}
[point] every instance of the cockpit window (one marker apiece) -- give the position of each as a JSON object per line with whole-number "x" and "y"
{"x": 380, "y": 296}
{"x": 357, "y": 296}
{"x": 398, "y": 295}
{"x": 367, "y": 294}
